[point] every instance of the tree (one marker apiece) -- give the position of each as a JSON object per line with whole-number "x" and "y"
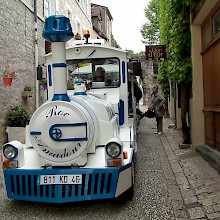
{"x": 140, "y": 53}
{"x": 130, "y": 51}
{"x": 150, "y": 30}
{"x": 174, "y": 23}
{"x": 114, "y": 43}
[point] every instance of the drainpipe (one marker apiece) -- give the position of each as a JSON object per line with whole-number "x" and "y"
{"x": 175, "y": 102}
{"x": 36, "y": 54}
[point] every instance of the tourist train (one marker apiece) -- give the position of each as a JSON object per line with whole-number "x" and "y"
{"x": 81, "y": 143}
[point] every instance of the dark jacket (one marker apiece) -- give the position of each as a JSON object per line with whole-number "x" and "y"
{"x": 137, "y": 91}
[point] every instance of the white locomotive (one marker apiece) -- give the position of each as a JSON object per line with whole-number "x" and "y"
{"x": 80, "y": 144}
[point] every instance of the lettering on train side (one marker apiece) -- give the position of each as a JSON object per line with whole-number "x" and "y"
{"x": 55, "y": 111}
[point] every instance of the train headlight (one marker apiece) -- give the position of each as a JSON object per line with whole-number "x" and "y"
{"x": 113, "y": 148}
{"x": 10, "y": 152}
{"x": 114, "y": 153}
{"x": 13, "y": 155}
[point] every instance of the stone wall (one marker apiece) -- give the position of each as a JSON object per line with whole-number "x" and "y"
{"x": 149, "y": 79}
{"x": 17, "y": 48}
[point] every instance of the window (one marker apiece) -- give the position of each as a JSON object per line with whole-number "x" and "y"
{"x": 57, "y": 7}
{"x": 46, "y": 8}
{"x": 68, "y": 12}
{"x": 206, "y": 34}
{"x": 78, "y": 28}
{"x": 83, "y": 5}
{"x": 216, "y": 21}
{"x": 97, "y": 73}
{"x": 211, "y": 29}
{"x": 86, "y": 7}
{"x": 51, "y": 8}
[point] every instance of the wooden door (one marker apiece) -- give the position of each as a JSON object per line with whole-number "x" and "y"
{"x": 211, "y": 79}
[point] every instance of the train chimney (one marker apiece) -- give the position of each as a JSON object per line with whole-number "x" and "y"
{"x": 58, "y": 30}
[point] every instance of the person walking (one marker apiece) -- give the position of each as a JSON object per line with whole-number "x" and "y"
{"x": 158, "y": 105}
{"x": 138, "y": 95}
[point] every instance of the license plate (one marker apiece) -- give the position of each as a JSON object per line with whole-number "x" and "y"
{"x": 59, "y": 179}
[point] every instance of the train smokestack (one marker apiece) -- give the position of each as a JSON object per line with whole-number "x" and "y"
{"x": 58, "y": 30}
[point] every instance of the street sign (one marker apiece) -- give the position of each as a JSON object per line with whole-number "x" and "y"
{"x": 155, "y": 52}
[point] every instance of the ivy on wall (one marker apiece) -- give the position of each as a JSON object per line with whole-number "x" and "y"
{"x": 168, "y": 21}
{"x": 175, "y": 33}
{"x": 174, "y": 24}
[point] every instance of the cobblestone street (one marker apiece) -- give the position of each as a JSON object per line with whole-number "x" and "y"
{"x": 171, "y": 184}
{"x": 193, "y": 185}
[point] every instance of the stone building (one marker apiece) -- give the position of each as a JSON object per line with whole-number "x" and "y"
{"x": 17, "y": 48}
{"x": 102, "y": 23}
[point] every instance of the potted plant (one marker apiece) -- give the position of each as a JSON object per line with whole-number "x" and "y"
{"x": 70, "y": 85}
{"x": 43, "y": 83}
{"x": 27, "y": 92}
{"x": 16, "y": 119}
{"x": 8, "y": 75}
{"x": 77, "y": 36}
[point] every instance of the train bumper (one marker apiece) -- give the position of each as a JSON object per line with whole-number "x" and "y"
{"x": 103, "y": 183}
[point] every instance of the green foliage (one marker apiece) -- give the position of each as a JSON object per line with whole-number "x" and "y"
{"x": 141, "y": 53}
{"x": 130, "y": 51}
{"x": 28, "y": 88}
{"x": 114, "y": 43}
{"x": 8, "y": 73}
{"x": 174, "y": 23}
{"x": 163, "y": 78}
{"x": 43, "y": 82}
{"x": 169, "y": 21}
{"x": 150, "y": 30}
{"x": 70, "y": 86}
{"x": 17, "y": 116}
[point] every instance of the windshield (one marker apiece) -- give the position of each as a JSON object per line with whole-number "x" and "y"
{"x": 97, "y": 73}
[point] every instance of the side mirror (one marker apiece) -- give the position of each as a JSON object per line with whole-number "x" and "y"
{"x": 137, "y": 69}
